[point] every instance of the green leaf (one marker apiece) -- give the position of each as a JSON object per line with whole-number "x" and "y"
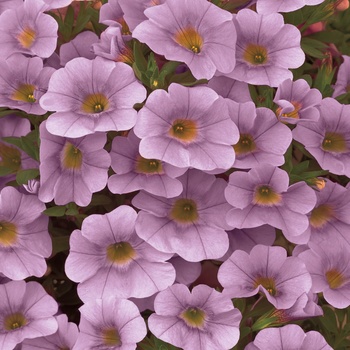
{"x": 328, "y": 320}
{"x": 139, "y": 57}
{"x": 23, "y": 176}
{"x": 301, "y": 167}
{"x": 5, "y": 171}
{"x": 56, "y": 211}
{"x": 313, "y": 47}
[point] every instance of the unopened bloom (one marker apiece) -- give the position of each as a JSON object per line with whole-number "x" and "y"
{"x": 26, "y": 29}
{"x": 195, "y": 32}
{"x": 108, "y": 258}
{"x": 290, "y": 336}
{"x": 262, "y": 196}
{"x": 328, "y": 140}
{"x": 202, "y": 319}
{"x": 71, "y": 170}
{"x": 26, "y": 312}
{"x": 110, "y": 323}
{"x": 297, "y": 102}
{"x": 191, "y": 225}
{"x": 187, "y": 127}
{"x": 24, "y": 239}
{"x": 92, "y": 95}
{"x": 268, "y": 270}
{"x": 266, "y": 48}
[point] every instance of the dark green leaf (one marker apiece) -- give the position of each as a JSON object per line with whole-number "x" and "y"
{"x": 59, "y": 244}
{"x": 58, "y": 210}
{"x": 23, "y": 176}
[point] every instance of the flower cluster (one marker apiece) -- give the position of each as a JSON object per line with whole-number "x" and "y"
{"x": 174, "y": 171}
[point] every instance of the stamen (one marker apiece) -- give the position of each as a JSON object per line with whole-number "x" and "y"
{"x": 184, "y": 210}
{"x": 190, "y": 39}
{"x": 255, "y": 54}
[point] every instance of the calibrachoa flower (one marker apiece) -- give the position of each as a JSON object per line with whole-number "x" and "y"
{"x": 297, "y": 102}
{"x": 111, "y": 14}
{"x": 110, "y": 323}
{"x": 9, "y": 4}
{"x": 26, "y": 312}
{"x": 230, "y": 88}
{"x": 112, "y": 46}
{"x": 290, "y": 336}
{"x": 108, "y": 258}
{"x": 23, "y": 81}
{"x": 266, "y": 7}
{"x": 202, "y": 319}
{"x": 266, "y": 48}
{"x": 342, "y": 85}
{"x": 12, "y": 159}
{"x": 331, "y": 216}
{"x": 195, "y": 32}
{"x": 80, "y": 46}
{"x": 64, "y": 338}
{"x": 263, "y": 139}
{"x": 134, "y": 10}
{"x": 134, "y": 172}
{"x": 71, "y": 170}
{"x": 24, "y": 239}
{"x": 268, "y": 270}
{"x": 262, "y": 196}
{"x": 26, "y": 29}
{"x": 92, "y": 95}
{"x": 187, "y": 127}
{"x": 55, "y": 4}
{"x": 192, "y": 224}
{"x": 328, "y": 140}
{"x": 329, "y": 267}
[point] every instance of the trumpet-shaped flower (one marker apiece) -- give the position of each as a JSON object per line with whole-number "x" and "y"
{"x": 24, "y": 239}
{"x": 134, "y": 172}
{"x": 92, "y": 95}
{"x": 192, "y": 224}
{"x": 266, "y": 48}
{"x": 72, "y": 169}
{"x": 265, "y": 7}
{"x": 109, "y": 259}
{"x": 195, "y": 32}
{"x": 297, "y": 102}
{"x": 26, "y": 29}
{"x": 262, "y": 140}
{"x": 268, "y": 270}
{"x": 187, "y": 127}
{"x": 26, "y": 312}
{"x": 202, "y": 319}
{"x": 110, "y": 323}
{"x": 23, "y": 81}
{"x": 328, "y": 140}
{"x": 342, "y": 85}
{"x": 262, "y": 196}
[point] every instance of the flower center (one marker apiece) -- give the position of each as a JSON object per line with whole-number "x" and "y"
{"x": 245, "y": 145}
{"x": 184, "y": 211}
{"x": 321, "y": 215}
{"x": 255, "y": 54}
{"x": 10, "y": 158}
{"x": 193, "y": 317}
{"x": 294, "y": 114}
{"x": 14, "y": 321}
{"x": 334, "y": 142}
{"x": 268, "y": 283}
{"x": 24, "y": 93}
{"x": 72, "y": 157}
{"x": 26, "y": 37}
{"x": 120, "y": 253}
{"x": 266, "y": 196}
{"x": 8, "y": 234}
{"x": 335, "y": 278}
{"x": 126, "y": 56}
{"x": 148, "y": 166}
{"x": 184, "y": 130}
{"x": 95, "y": 103}
{"x": 111, "y": 337}
{"x": 190, "y": 39}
